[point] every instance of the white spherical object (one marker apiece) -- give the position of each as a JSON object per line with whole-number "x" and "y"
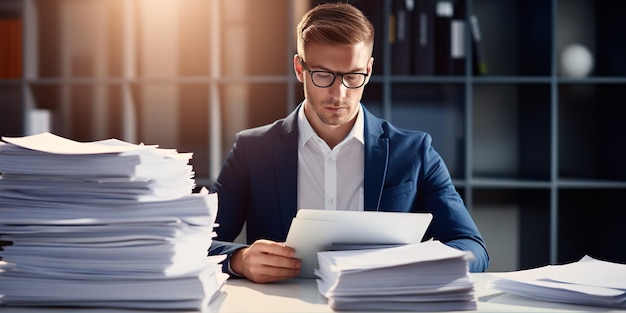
{"x": 576, "y": 61}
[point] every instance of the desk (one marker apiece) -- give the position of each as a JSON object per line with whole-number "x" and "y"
{"x": 301, "y": 295}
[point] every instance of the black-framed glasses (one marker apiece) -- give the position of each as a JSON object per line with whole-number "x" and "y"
{"x": 325, "y": 79}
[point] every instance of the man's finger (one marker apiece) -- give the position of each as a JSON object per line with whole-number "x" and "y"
{"x": 275, "y": 248}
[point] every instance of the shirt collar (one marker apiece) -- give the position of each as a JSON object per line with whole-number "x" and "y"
{"x": 306, "y": 130}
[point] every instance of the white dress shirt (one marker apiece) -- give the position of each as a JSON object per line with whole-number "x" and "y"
{"x": 330, "y": 179}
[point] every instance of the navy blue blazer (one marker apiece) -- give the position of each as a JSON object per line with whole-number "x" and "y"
{"x": 403, "y": 172}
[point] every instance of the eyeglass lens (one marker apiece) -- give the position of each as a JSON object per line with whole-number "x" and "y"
{"x": 326, "y": 79}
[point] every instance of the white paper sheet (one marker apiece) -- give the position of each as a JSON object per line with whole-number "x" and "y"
{"x": 47, "y": 142}
{"x": 588, "y": 281}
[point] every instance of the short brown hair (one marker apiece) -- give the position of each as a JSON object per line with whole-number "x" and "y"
{"x": 335, "y": 24}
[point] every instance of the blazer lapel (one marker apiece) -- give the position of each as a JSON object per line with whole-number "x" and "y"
{"x": 286, "y": 165}
{"x": 376, "y": 160}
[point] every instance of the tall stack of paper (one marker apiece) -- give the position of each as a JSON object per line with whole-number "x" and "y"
{"x": 103, "y": 224}
{"x": 588, "y": 281}
{"x": 427, "y": 276}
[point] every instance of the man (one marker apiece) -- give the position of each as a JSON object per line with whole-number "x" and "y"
{"x": 331, "y": 153}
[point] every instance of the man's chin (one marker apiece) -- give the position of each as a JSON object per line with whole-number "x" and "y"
{"x": 334, "y": 121}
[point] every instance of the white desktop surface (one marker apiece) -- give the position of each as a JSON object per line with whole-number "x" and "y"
{"x": 301, "y": 295}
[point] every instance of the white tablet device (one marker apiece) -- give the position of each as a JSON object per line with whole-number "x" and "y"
{"x": 321, "y": 230}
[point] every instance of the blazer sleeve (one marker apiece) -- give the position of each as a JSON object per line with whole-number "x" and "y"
{"x": 230, "y": 221}
{"x": 249, "y": 191}
{"x": 452, "y": 224}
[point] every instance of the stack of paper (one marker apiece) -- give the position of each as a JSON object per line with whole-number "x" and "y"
{"x": 427, "y": 276}
{"x": 104, "y": 224}
{"x": 588, "y": 281}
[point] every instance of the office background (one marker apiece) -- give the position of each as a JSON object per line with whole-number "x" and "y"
{"x": 536, "y": 152}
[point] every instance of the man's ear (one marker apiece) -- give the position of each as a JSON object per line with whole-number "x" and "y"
{"x": 297, "y": 68}
{"x": 370, "y": 66}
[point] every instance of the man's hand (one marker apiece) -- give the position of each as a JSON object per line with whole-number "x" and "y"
{"x": 265, "y": 261}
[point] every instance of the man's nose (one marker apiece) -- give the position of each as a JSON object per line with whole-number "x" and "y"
{"x": 337, "y": 88}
